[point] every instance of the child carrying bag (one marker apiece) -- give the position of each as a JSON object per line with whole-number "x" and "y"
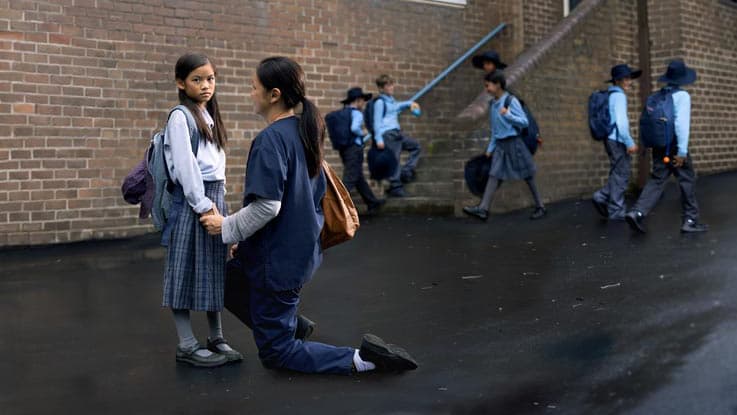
{"x": 341, "y": 216}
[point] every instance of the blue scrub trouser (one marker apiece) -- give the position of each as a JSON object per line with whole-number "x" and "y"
{"x": 272, "y": 316}
{"x": 619, "y": 174}
{"x": 654, "y": 187}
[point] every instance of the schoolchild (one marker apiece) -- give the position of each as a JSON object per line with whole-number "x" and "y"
{"x": 488, "y": 61}
{"x": 388, "y": 134}
{"x": 351, "y": 153}
{"x": 675, "y": 160}
{"x": 619, "y": 146}
{"x": 195, "y": 261}
{"x": 278, "y": 230}
{"x": 509, "y": 156}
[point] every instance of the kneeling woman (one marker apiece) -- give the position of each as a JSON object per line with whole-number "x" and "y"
{"x": 510, "y": 158}
{"x": 279, "y": 230}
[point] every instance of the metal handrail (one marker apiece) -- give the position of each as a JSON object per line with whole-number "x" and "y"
{"x": 458, "y": 62}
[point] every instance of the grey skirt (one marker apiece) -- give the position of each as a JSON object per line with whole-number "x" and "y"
{"x": 512, "y": 160}
{"x": 194, "y": 278}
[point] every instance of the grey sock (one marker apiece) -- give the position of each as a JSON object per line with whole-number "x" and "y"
{"x": 216, "y": 329}
{"x": 533, "y": 189}
{"x": 187, "y": 341}
{"x": 489, "y": 191}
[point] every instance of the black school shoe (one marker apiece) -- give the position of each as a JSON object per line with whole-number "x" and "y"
{"x": 305, "y": 327}
{"x": 408, "y": 176}
{"x": 231, "y": 355}
{"x": 691, "y": 226}
{"x": 397, "y": 191}
{"x": 374, "y": 207}
{"x": 191, "y": 357}
{"x": 538, "y": 213}
{"x": 476, "y": 212}
{"x": 601, "y": 208}
{"x": 386, "y": 357}
{"x": 635, "y": 219}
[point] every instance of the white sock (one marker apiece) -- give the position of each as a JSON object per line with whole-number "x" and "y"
{"x": 360, "y": 364}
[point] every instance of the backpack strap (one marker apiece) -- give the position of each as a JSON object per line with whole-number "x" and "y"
{"x": 194, "y": 132}
{"x": 508, "y": 100}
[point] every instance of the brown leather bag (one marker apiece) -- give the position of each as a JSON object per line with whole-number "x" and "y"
{"x": 341, "y": 216}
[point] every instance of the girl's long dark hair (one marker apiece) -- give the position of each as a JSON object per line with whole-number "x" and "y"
{"x": 185, "y": 65}
{"x": 286, "y": 75}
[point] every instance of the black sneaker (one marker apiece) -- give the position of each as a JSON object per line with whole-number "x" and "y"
{"x": 635, "y": 219}
{"x": 538, "y": 213}
{"x": 408, "y": 176}
{"x": 601, "y": 208}
{"x": 692, "y": 226}
{"x": 191, "y": 357}
{"x": 232, "y": 355}
{"x": 476, "y": 212}
{"x": 397, "y": 191}
{"x": 305, "y": 327}
{"x": 386, "y": 357}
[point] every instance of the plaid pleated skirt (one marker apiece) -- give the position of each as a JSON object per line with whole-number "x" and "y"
{"x": 512, "y": 160}
{"x": 194, "y": 278}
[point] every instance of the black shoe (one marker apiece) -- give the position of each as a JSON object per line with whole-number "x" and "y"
{"x": 476, "y": 212}
{"x": 305, "y": 327}
{"x": 375, "y": 206}
{"x": 191, "y": 357}
{"x": 397, "y": 191}
{"x": 601, "y": 208}
{"x": 691, "y": 226}
{"x": 538, "y": 213}
{"x": 232, "y": 355}
{"x": 635, "y": 219}
{"x": 386, "y": 357}
{"x": 408, "y": 176}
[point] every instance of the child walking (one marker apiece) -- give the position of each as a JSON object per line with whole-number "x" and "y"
{"x": 677, "y": 161}
{"x": 388, "y": 134}
{"x": 195, "y": 262}
{"x": 510, "y": 159}
{"x": 619, "y": 146}
{"x": 278, "y": 231}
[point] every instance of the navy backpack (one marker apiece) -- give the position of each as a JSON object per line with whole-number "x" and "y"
{"x": 600, "y": 121}
{"x": 368, "y": 115}
{"x": 657, "y": 128}
{"x": 531, "y": 133}
{"x": 339, "y": 127}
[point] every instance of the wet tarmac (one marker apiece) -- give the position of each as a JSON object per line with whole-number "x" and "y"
{"x": 567, "y": 315}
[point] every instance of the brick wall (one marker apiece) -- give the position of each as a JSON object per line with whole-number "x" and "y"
{"x": 84, "y": 83}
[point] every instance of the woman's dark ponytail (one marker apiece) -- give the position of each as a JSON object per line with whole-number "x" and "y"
{"x": 286, "y": 75}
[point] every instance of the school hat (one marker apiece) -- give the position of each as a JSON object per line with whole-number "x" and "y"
{"x": 624, "y": 71}
{"x": 491, "y": 56}
{"x": 355, "y": 93}
{"x": 678, "y": 74}
{"x": 381, "y": 163}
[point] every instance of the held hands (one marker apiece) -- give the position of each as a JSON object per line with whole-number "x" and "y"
{"x": 212, "y": 220}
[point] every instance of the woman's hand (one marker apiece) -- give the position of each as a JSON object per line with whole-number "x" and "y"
{"x": 233, "y": 250}
{"x": 212, "y": 220}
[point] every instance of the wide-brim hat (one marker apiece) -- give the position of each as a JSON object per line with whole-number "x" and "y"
{"x": 381, "y": 163}
{"x": 624, "y": 71}
{"x": 355, "y": 93}
{"x": 476, "y": 173}
{"x": 490, "y": 56}
{"x": 678, "y": 74}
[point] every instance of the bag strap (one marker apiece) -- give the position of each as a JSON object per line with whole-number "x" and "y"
{"x": 194, "y": 132}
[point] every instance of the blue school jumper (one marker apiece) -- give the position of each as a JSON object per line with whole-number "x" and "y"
{"x": 283, "y": 255}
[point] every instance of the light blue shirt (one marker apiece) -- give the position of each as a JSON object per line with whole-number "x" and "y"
{"x": 681, "y": 118}
{"x": 618, "y": 113}
{"x": 503, "y": 126}
{"x": 356, "y": 124}
{"x": 390, "y": 120}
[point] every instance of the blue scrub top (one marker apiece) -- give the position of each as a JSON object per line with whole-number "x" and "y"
{"x": 284, "y": 254}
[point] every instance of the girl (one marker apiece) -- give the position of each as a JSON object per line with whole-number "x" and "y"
{"x": 279, "y": 230}
{"x": 510, "y": 158}
{"x": 195, "y": 267}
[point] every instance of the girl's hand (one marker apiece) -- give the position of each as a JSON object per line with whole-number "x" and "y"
{"x": 213, "y": 222}
{"x": 414, "y": 106}
{"x": 504, "y": 111}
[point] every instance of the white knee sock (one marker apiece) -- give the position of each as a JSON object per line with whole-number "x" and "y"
{"x": 216, "y": 329}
